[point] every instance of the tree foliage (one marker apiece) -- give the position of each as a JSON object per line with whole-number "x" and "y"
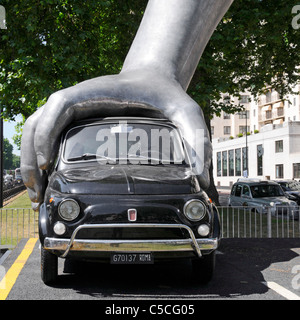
{"x": 7, "y": 154}
{"x": 52, "y": 44}
{"x": 254, "y": 46}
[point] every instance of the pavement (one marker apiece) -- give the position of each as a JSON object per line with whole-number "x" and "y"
{"x": 246, "y": 269}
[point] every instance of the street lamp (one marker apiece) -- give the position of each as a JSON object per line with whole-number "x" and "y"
{"x": 246, "y": 144}
{"x": 245, "y": 172}
{"x": 1, "y": 159}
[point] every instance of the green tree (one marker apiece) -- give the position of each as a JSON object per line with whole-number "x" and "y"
{"x": 52, "y": 44}
{"x": 15, "y": 161}
{"x": 7, "y": 154}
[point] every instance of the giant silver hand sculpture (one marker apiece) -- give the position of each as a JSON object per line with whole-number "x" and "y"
{"x": 153, "y": 82}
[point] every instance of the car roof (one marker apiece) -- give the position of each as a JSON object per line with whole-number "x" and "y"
{"x": 285, "y": 181}
{"x": 108, "y": 119}
{"x": 95, "y": 121}
{"x": 255, "y": 182}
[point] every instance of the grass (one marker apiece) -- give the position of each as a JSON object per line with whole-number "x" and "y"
{"x": 17, "y": 221}
{"x": 22, "y": 201}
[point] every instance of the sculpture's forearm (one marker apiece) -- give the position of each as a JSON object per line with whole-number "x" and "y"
{"x": 173, "y": 35}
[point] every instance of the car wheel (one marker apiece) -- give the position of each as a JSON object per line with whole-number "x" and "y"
{"x": 203, "y": 268}
{"x": 48, "y": 266}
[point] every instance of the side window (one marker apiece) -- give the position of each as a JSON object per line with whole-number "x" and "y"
{"x": 233, "y": 190}
{"x": 238, "y": 190}
{"x": 246, "y": 191}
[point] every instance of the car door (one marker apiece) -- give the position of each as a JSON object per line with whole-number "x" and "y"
{"x": 246, "y": 195}
{"x": 235, "y": 197}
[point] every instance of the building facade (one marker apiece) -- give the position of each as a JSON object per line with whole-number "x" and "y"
{"x": 263, "y": 142}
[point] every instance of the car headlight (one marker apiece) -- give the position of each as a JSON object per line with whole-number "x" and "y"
{"x": 69, "y": 209}
{"x": 194, "y": 210}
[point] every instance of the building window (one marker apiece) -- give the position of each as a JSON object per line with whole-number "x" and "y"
{"x": 280, "y": 112}
{"x": 244, "y": 115}
{"x": 226, "y": 100}
{"x": 279, "y": 171}
{"x": 219, "y": 164}
{"x": 226, "y": 115}
{"x": 212, "y": 130}
{"x": 244, "y": 129}
{"x": 269, "y": 114}
{"x": 238, "y": 162}
{"x": 245, "y": 162}
{"x": 231, "y": 162}
{"x": 245, "y": 99}
{"x": 260, "y": 160}
{"x": 296, "y": 170}
{"x": 279, "y": 146}
{"x": 224, "y": 163}
{"x": 227, "y": 130}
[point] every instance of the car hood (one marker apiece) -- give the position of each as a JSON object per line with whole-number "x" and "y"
{"x": 277, "y": 200}
{"x": 131, "y": 179}
{"x": 294, "y": 193}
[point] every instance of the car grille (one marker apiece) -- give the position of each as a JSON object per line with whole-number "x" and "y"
{"x": 133, "y": 234}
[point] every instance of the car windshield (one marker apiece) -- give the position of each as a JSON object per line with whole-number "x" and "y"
{"x": 124, "y": 143}
{"x": 290, "y": 186}
{"x": 265, "y": 190}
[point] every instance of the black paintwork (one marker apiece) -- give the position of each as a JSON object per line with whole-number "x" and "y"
{"x": 106, "y": 192}
{"x": 125, "y": 179}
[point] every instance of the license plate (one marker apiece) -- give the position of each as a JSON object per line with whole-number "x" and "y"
{"x": 131, "y": 258}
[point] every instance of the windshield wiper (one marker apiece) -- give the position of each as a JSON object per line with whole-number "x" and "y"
{"x": 88, "y": 156}
{"x": 85, "y": 156}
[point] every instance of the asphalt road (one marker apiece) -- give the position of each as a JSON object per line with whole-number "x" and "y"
{"x": 246, "y": 269}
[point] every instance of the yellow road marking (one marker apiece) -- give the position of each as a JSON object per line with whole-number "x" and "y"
{"x": 12, "y": 274}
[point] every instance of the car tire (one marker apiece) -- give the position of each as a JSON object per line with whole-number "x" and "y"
{"x": 203, "y": 268}
{"x": 49, "y": 263}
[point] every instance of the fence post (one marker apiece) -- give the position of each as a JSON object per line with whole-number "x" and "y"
{"x": 270, "y": 220}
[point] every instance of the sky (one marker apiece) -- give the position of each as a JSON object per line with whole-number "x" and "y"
{"x": 9, "y": 131}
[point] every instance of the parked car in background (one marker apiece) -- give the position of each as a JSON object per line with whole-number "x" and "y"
{"x": 8, "y": 182}
{"x": 119, "y": 194}
{"x": 259, "y": 195}
{"x": 291, "y": 189}
{"x": 18, "y": 176}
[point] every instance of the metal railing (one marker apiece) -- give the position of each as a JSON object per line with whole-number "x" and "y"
{"x": 242, "y": 222}
{"x": 236, "y": 222}
{"x": 9, "y": 193}
{"x": 16, "y": 224}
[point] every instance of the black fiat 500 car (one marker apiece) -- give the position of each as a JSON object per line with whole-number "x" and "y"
{"x": 123, "y": 191}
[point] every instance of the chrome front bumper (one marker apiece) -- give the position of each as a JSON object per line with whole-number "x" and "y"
{"x": 165, "y": 245}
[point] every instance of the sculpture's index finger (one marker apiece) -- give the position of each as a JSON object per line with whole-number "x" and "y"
{"x": 55, "y": 117}
{"x": 32, "y": 176}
